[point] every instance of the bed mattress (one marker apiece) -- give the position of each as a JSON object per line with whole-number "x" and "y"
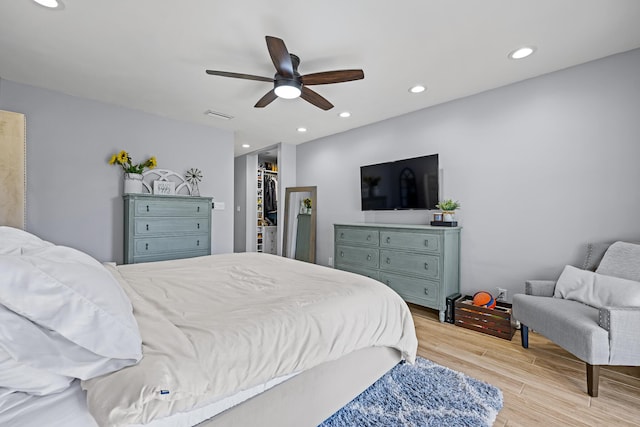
{"x": 69, "y": 408}
{"x": 216, "y": 330}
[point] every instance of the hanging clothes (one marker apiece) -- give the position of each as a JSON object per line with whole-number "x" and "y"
{"x": 270, "y": 194}
{"x": 270, "y": 199}
{"x": 274, "y": 191}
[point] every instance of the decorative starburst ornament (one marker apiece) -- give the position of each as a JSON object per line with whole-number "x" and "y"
{"x": 193, "y": 177}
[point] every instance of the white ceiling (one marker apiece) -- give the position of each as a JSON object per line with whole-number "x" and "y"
{"x": 151, "y": 55}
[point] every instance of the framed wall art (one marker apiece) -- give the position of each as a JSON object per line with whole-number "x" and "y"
{"x": 166, "y": 188}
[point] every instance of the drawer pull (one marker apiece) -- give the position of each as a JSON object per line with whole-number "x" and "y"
{"x": 147, "y": 227}
{"x": 146, "y": 246}
{"x": 197, "y": 242}
{"x": 341, "y": 254}
{"x": 426, "y": 291}
{"x": 147, "y": 208}
{"x": 198, "y": 226}
{"x": 426, "y": 242}
{"x": 388, "y": 260}
{"x": 342, "y": 235}
{"x": 369, "y": 237}
{"x": 426, "y": 265}
{"x": 388, "y": 239}
{"x": 368, "y": 257}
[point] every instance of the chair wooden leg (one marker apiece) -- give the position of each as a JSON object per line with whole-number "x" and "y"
{"x": 524, "y": 334}
{"x": 593, "y": 377}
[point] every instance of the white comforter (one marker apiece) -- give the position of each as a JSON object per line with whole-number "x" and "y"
{"x": 212, "y": 326}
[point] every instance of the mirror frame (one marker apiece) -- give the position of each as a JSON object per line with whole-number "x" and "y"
{"x": 312, "y": 238}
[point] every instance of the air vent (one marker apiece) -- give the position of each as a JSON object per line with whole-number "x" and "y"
{"x": 217, "y": 115}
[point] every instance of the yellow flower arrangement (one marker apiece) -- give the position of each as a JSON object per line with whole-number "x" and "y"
{"x": 124, "y": 159}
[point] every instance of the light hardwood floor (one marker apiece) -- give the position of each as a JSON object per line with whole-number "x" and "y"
{"x": 543, "y": 385}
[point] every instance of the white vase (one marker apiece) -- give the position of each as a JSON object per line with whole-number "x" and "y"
{"x": 448, "y": 216}
{"x": 132, "y": 183}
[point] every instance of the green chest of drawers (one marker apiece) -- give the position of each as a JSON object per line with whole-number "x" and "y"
{"x": 421, "y": 263}
{"x": 158, "y": 228}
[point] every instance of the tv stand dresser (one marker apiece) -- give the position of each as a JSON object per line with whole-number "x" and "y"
{"x": 420, "y": 262}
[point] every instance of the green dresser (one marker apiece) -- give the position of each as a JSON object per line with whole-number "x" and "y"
{"x": 303, "y": 238}
{"x": 158, "y": 228}
{"x": 419, "y": 262}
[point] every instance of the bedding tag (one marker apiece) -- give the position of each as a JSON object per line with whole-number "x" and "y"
{"x": 164, "y": 391}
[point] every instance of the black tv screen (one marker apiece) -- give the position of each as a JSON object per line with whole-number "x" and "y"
{"x": 403, "y": 184}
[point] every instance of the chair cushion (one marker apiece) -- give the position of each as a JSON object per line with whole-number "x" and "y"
{"x": 570, "y": 324}
{"x": 597, "y": 290}
{"x": 622, "y": 259}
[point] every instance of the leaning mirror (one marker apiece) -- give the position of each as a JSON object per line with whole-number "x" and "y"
{"x": 300, "y": 223}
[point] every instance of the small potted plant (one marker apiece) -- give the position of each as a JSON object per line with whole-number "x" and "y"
{"x": 448, "y": 208}
{"x": 306, "y": 206}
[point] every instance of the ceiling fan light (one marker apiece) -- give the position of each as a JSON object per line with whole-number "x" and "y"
{"x": 288, "y": 89}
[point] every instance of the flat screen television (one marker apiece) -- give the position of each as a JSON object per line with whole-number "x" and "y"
{"x": 403, "y": 184}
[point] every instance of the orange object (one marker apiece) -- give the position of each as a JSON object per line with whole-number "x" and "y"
{"x": 484, "y": 299}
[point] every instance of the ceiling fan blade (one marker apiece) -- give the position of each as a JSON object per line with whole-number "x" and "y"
{"x": 280, "y": 56}
{"x": 267, "y": 99}
{"x": 315, "y": 99}
{"x": 328, "y": 77}
{"x": 240, "y": 76}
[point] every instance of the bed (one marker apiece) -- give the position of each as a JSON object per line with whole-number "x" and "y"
{"x": 222, "y": 340}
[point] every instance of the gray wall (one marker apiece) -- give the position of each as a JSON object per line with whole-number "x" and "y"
{"x": 240, "y": 204}
{"x": 74, "y": 196}
{"x": 540, "y": 167}
{"x": 286, "y": 178}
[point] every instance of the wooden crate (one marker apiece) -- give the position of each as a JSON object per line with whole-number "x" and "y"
{"x": 496, "y": 321}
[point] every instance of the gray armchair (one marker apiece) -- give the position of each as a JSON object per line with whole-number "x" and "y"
{"x": 598, "y": 336}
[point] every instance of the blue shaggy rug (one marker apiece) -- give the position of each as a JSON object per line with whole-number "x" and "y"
{"x": 424, "y": 394}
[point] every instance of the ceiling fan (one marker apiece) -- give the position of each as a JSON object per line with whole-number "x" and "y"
{"x": 288, "y": 83}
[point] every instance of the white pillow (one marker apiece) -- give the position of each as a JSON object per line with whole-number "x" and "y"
{"x": 597, "y": 290}
{"x": 16, "y": 376}
{"x": 71, "y": 297}
{"x": 14, "y": 240}
{"x": 41, "y": 348}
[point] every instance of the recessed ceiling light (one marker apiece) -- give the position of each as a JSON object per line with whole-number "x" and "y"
{"x": 301, "y": 129}
{"x": 345, "y": 114}
{"x": 522, "y": 52}
{"x": 417, "y": 89}
{"x": 245, "y": 146}
{"x": 51, "y": 4}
